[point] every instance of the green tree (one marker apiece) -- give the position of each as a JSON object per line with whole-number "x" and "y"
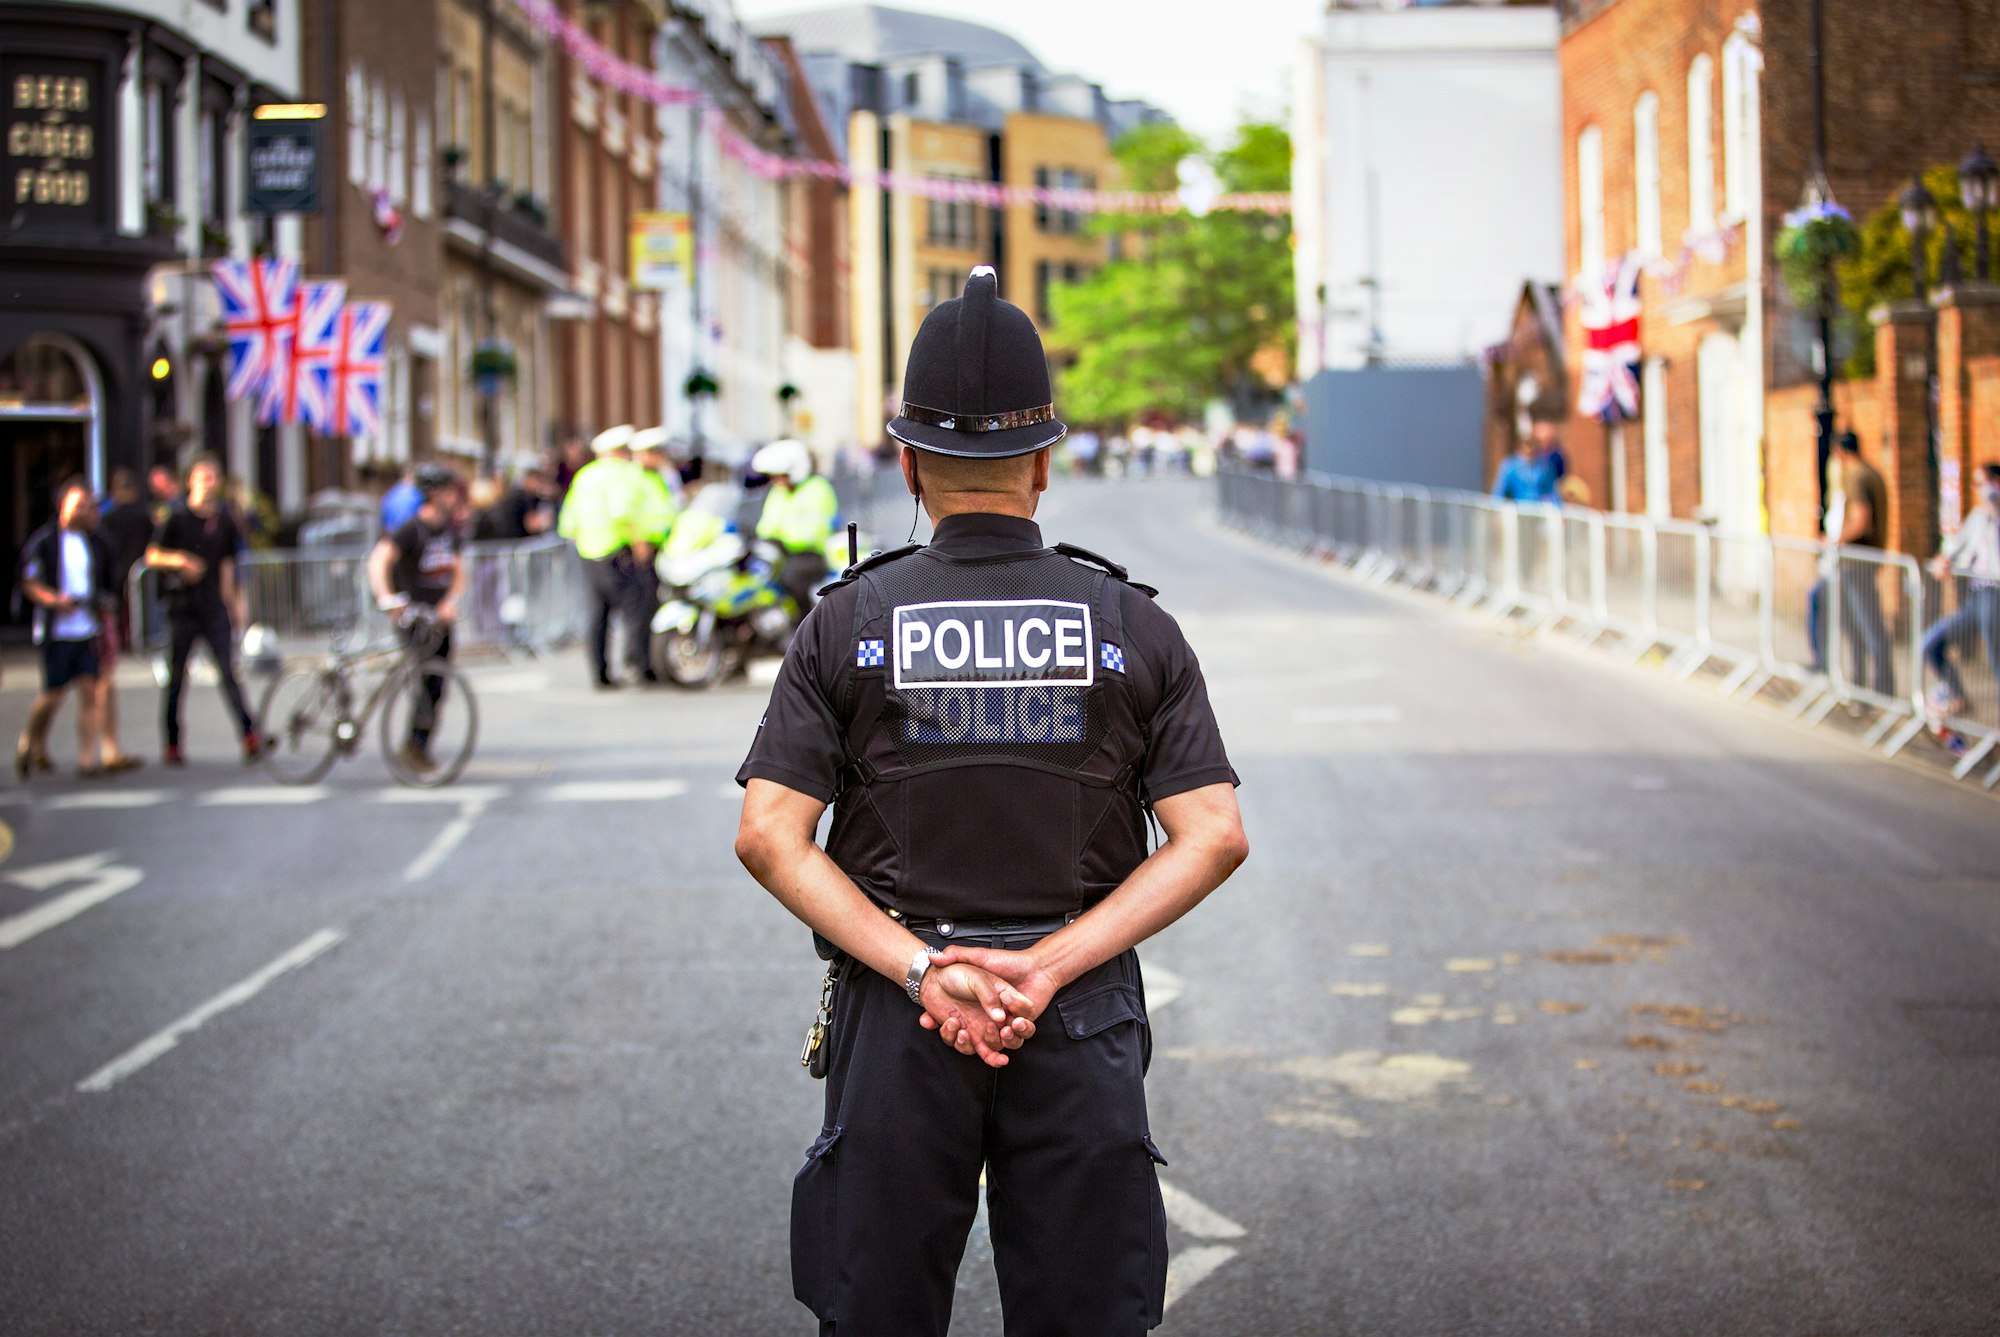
{"x": 1880, "y": 272}
{"x": 1178, "y": 318}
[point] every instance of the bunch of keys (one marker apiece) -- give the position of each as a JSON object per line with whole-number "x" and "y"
{"x": 815, "y": 1056}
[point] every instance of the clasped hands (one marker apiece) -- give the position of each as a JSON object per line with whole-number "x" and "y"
{"x": 985, "y": 1002}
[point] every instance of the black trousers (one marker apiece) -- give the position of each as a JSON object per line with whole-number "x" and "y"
{"x": 211, "y": 627}
{"x": 800, "y": 574}
{"x": 432, "y": 643}
{"x": 881, "y": 1208}
{"x": 616, "y": 591}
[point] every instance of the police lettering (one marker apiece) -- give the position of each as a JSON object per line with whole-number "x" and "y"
{"x": 992, "y": 643}
{"x": 968, "y": 715}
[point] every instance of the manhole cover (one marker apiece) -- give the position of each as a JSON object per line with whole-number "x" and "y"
{"x": 1959, "y": 1030}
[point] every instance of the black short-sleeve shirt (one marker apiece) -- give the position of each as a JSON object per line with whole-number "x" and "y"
{"x": 801, "y": 743}
{"x": 426, "y": 563}
{"x": 215, "y": 539}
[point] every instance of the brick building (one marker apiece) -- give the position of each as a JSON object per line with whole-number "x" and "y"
{"x": 1688, "y": 135}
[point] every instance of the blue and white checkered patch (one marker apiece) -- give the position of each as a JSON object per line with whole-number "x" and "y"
{"x": 1112, "y": 657}
{"x": 868, "y": 655}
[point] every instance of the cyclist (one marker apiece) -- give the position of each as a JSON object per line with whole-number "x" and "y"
{"x": 801, "y": 513}
{"x": 419, "y": 565}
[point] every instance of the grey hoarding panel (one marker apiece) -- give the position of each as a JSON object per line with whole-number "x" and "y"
{"x": 1416, "y": 425}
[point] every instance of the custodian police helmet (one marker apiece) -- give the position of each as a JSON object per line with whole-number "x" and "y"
{"x": 977, "y": 383}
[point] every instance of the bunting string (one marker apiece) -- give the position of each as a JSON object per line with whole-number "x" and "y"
{"x": 616, "y": 73}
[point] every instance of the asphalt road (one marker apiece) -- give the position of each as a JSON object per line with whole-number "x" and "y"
{"x": 1555, "y": 998}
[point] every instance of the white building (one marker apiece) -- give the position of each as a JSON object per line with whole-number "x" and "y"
{"x": 1427, "y": 177}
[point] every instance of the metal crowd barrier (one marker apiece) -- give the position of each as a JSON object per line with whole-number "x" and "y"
{"x": 1830, "y": 628}
{"x": 524, "y": 597}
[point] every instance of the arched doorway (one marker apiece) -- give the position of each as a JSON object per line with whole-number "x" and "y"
{"x": 51, "y": 427}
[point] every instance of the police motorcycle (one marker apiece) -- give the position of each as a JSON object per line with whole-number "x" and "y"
{"x": 721, "y": 603}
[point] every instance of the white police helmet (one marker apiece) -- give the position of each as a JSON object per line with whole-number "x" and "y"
{"x": 611, "y": 438}
{"x": 784, "y": 456}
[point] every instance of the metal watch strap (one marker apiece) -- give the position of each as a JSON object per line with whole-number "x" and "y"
{"x": 920, "y": 964}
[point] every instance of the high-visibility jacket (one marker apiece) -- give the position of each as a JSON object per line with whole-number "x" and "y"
{"x": 657, "y": 506}
{"x": 800, "y": 517}
{"x": 603, "y": 511}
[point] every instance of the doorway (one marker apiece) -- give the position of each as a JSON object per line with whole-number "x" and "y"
{"x": 50, "y": 400}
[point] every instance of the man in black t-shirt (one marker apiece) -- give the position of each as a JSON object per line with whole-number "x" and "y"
{"x": 420, "y": 563}
{"x": 197, "y": 547}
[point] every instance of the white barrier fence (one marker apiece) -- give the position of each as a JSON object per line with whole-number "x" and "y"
{"x": 520, "y": 597}
{"x": 1853, "y": 627}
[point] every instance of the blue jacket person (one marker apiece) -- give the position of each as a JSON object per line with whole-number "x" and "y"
{"x": 992, "y": 720}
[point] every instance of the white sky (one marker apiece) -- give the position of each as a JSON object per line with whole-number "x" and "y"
{"x": 1203, "y": 64}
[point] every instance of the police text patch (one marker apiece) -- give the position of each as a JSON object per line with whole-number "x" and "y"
{"x": 993, "y": 643}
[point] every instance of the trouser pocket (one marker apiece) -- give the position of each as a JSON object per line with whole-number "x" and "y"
{"x": 815, "y": 1199}
{"x": 1156, "y": 1275}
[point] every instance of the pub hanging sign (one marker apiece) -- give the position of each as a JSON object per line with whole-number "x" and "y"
{"x": 54, "y": 136}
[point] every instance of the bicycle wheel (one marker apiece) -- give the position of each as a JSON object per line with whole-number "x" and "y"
{"x": 430, "y": 722}
{"x": 300, "y": 720}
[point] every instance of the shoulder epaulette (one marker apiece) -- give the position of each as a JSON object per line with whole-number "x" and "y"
{"x": 869, "y": 563}
{"x": 1105, "y": 564}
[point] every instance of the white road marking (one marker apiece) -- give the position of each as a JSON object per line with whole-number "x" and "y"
{"x": 616, "y": 791}
{"x": 1188, "y": 1269}
{"x": 259, "y": 796}
{"x": 730, "y": 792}
{"x": 1348, "y": 715}
{"x": 461, "y": 794}
{"x": 1263, "y": 686}
{"x": 102, "y": 880}
{"x": 236, "y": 995}
{"x": 1162, "y": 986}
{"x": 764, "y": 672}
{"x": 1196, "y": 1217}
{"x": 109, "y": 800}
{"x": 448, "y": 839}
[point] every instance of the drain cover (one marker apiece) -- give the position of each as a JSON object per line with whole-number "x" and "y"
{"x": 1959, "y": 1030}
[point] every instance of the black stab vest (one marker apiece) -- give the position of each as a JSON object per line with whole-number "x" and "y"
{"x": 993, "y": 736}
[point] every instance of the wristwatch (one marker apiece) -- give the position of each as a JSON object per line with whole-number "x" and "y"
{"x": 920, "y": 964}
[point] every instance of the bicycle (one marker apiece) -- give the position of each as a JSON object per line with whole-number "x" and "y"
{"x": 308, "y": 719}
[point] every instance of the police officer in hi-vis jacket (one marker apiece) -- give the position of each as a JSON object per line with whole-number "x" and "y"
{"x": 993, "y": 719}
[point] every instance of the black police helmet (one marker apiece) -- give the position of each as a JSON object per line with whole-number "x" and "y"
{"x": 977, "y": 384}
{"x": 432, "y": 479}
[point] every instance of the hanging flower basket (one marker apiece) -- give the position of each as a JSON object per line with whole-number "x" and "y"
{"x": 1814, "y": 239}
{"x": 787, "y": 393}
{"x": 493, "y": 366}
{"x": 698, "y": 384}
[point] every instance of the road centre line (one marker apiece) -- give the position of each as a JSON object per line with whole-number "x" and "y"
{"x": 449, "y": 838}
{"x": 256, "y": 796}
{"x": 615, "y": 791}
{"x": 461, "y": 794}
{"x": 109, "y": 800}
{"x": 132, "y": 1060}
{"x": 102, "y": 880}
{"x": 1348, "y": 715}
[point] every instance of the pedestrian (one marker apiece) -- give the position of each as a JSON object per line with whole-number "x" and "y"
{"x": 198, "y": 546}
{"x": 1973, "y": 555}
{"x": 127, "y": 524}
{"x": 1524, "y": 476}
{"x": 994, "y": 720}
{"x": 601, "y": 515}
{"x": 801, "y": 513}
{"x": 1857, "y": 514}
{"x": 401, "y": 501}
{"x": 421, "y": 563}
{"x": 163, "y": 486}
{"x": 662, "y": 494}
{"x": 66, "y": 574}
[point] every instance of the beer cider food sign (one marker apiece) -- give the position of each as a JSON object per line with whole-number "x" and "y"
{"x": 54, "y": 122}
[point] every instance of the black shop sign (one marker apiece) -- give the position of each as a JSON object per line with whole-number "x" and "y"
{"x": 285, "y": 157}
{"x": 56, "y": 146}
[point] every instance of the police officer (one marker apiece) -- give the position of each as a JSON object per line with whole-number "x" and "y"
{"x": 604, "y": 516}
{"x": 801, "y": 512}
{"x": 992, "y": 720}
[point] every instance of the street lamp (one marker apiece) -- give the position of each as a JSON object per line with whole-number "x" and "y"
{"x": 1979, "y": 186}
{"x": 1919, "y": 217}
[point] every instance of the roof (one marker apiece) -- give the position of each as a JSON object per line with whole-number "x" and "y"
{"x": 871, "y": 34}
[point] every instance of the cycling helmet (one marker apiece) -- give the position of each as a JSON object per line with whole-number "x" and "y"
{"x": 431, "y": 479}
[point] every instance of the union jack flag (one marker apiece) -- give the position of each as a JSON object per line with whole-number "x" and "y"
{"x": 350, "y": 377}
{"x": 1611, "y": 353}
{"x": 259, "y": 305}
{"x": 291, "y": 393}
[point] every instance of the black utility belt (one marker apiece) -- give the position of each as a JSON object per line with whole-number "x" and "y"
{"x": 1021, "y": 926}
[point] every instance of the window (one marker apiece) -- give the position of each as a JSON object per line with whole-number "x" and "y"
{"x": 262, "y": 19}
{"x": 913, "y": 87}
{"x": 1591, "y": 250}
{"x": 1043, "y": 273}
{"x": 1701, "y": 145}
{"x": 421, "y": 169}
{"x": 378, "y": 135}
{"x": 399, "y": 149}
{"x": 1653, "y": 403}
{"x": 461, "y": 117}
{"x": 208, "y": 166}
{"x": 1048, "y": 218}
{"x": 357, "y": 125}
{"x": 1646, "y": 172}
{"x": 158, "y": 169}
{"x": 1740, "y": 168}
